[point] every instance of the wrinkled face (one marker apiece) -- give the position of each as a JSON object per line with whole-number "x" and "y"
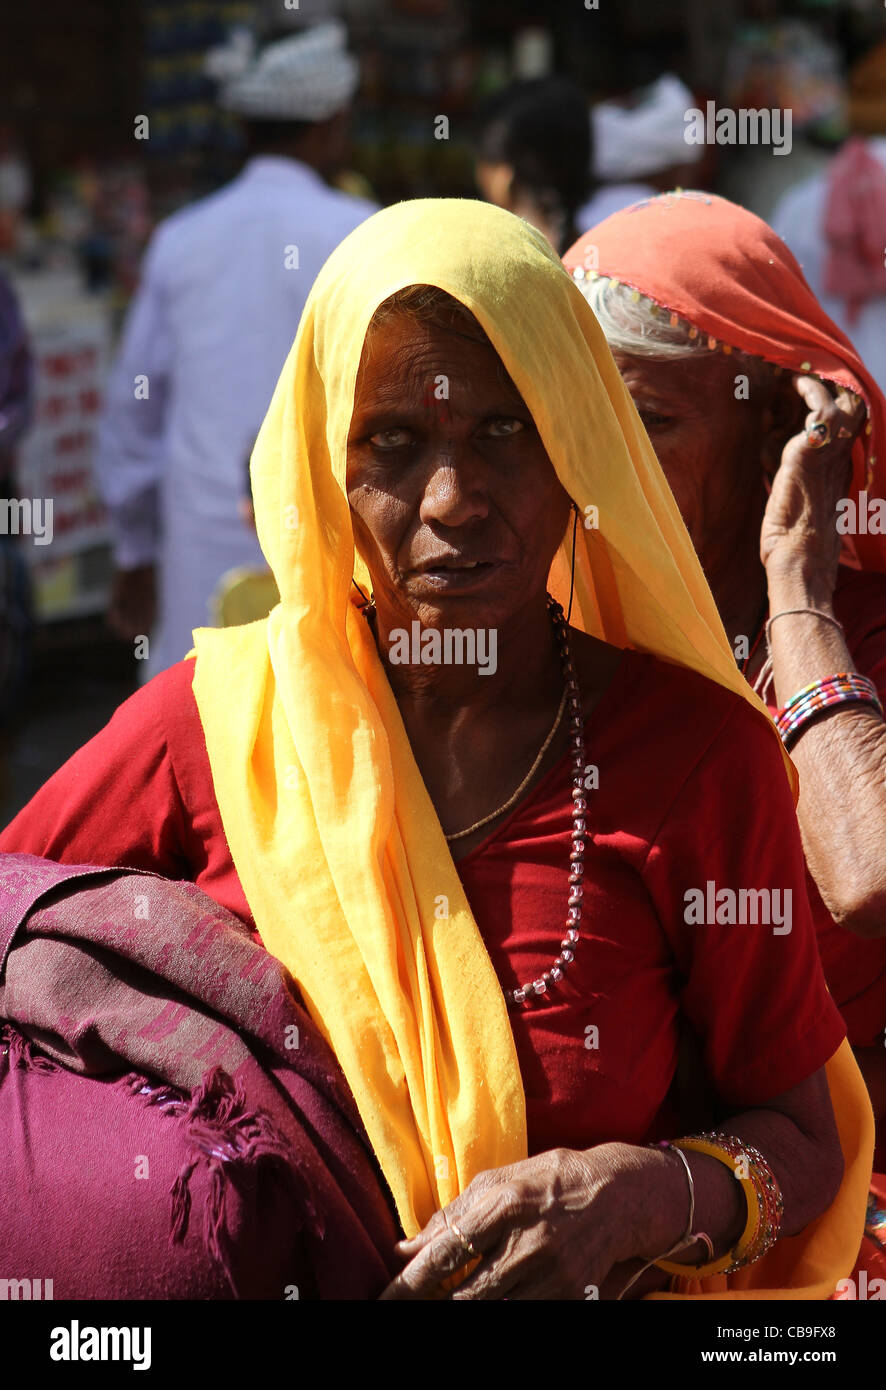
{"x": 456, "y": 507}
{"x": 712, "y": 445}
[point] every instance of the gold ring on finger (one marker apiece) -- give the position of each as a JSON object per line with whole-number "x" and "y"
{"x": 464, "y": 1242}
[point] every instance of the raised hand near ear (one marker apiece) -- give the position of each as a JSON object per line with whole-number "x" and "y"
{"x": 799, "y": 524}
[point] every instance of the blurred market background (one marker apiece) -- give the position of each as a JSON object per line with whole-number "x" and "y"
{"x": 80, "y": 195}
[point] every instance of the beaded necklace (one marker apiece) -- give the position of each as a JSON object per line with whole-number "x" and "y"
{"x": 571, "y": 936}
{"x": 572, "y": 696}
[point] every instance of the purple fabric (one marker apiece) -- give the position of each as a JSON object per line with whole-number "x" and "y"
{"x": 173, "y": 1125}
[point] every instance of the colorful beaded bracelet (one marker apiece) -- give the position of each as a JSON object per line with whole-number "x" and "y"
{"x": 846, "y": 687}
{"x": 764, "y": 1202}
{"x": 769, "y": 1199}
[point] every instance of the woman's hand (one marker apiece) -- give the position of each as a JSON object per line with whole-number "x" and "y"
{"x": 551, "y": 1227}
{"x": 799, "y": 524}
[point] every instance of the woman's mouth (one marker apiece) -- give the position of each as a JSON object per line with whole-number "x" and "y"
{"x": 449, "y": 575}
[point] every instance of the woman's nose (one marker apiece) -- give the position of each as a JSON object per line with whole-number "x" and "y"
{"x": 456, "y": 491}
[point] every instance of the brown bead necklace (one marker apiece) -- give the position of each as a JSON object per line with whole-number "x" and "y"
{"x": 572, "y": 700}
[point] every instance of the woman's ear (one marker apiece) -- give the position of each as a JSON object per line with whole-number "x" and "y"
{"x": 782, "y": 418}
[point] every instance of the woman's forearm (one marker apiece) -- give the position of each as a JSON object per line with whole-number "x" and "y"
{"x": 802, "y": 1148}
{"x": 841, "y": 759}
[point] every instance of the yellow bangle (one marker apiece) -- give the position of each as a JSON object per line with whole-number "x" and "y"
{"x": 734, "y": 1256}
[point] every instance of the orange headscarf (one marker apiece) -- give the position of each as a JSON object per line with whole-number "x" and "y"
{"x": 723, "y": 271}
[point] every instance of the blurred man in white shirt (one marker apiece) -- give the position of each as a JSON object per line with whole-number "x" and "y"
{"x": 223, "y": 285}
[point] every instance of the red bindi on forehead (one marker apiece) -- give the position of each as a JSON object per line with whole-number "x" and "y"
{"x": 412, "y": 365}
{"x": 436, "y": 400}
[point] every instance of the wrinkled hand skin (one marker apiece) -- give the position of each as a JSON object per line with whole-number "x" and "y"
{"x": 547, "y": 1228}
{"x": 799, "y": 524}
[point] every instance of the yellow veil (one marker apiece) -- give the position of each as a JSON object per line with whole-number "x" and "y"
{"x": 335, "y": 839}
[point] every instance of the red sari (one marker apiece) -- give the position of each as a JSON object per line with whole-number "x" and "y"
{"x": 675, "y": 809}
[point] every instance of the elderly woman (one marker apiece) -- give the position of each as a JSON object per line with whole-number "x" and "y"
{"x": 768, "y": 428}
{"x": 519, "y": 861}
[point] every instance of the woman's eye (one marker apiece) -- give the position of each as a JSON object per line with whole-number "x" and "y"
{"x": 653, "y": 420}
{"x": 504, "y": 427}
{"x": 391, "y": 439}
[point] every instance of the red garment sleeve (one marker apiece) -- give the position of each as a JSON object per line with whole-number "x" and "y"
{"x": 860, "y": 605}
{"x": 755, "y": 994}
{"x": 116, "y": 801}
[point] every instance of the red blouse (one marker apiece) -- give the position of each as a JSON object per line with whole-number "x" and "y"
{"x": 691, "y": 790}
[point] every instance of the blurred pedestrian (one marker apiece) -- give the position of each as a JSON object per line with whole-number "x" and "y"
{"x": 533, "y": 146}
{"x": 223, "y": 286}
{"x": 834, "y": 222}
{"x": 639, "y": 148}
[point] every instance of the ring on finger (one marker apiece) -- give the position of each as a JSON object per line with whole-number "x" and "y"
{"x": 818, "y": 435}
{"x": 463, "y": 1241}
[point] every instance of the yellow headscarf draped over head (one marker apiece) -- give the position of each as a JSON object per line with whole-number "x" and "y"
{"x": 338, "y": 847}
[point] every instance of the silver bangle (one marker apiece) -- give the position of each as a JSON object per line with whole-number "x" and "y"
{"x": 688, "y": 1238}
{"x": 691, "y": 1236}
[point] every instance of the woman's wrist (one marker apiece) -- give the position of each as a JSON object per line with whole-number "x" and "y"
{"x": 721, "y": 1208}
{"x": 798, "y": 580}
{"x": 803, "y": 648}
{"x": 651, "y": 1192}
